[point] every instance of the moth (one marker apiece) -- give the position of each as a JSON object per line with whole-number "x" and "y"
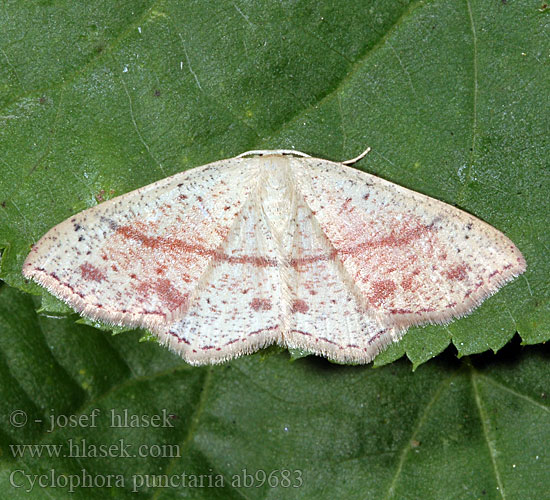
{"x": 274, "y": 247}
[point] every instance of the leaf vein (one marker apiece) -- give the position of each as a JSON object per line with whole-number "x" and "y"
{"x": 132, "y": 116}
{"x": 423, "y": 417}
{"x": 486, "y": 432}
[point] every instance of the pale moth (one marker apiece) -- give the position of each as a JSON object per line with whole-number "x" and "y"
{"x": 273, "y": 247}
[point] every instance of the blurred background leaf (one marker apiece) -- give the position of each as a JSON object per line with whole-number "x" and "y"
{"x": 449, "y": 430}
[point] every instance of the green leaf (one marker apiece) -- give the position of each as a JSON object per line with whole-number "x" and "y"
{"x": 448, "y": 430}
{"x": 99, "y": 98}
{"x": 451, "y": 96}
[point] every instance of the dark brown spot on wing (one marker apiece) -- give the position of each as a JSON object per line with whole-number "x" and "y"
{"x": 300, "y": 306}
{"x": 260, "y": 304}
{"x": 91, "y": 273}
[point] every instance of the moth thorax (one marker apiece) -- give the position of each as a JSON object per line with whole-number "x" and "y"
{"x": 277, "y": 194}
